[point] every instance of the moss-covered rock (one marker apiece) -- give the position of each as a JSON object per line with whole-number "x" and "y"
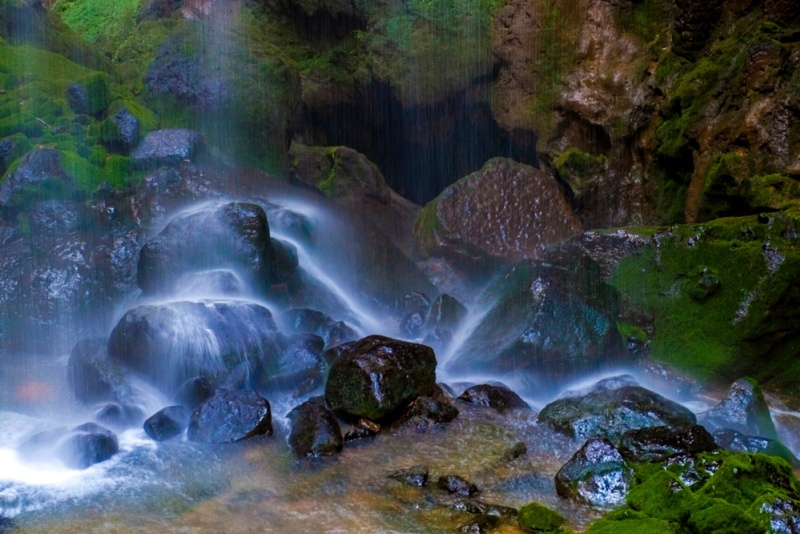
{"x": 745, "y": 328}
{"x": 535, "y": 517}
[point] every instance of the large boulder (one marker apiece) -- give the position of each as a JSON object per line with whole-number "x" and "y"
{"x": 610, "y": 413}
{"x": 498, "y": 398}
{"x": 167, "y": 423}
{"x": 87, "y": 445}
{"x": 658, "y": 443}
{"x": 552, "y": 322}
{"x": 170, "y": 343}
{"x": 233, "y": 235}
{"x": 596, "y": 475}
{"x": 506, "y": 211}
{"x": 89, "y": 372}
{"x": 230, "y": 416}
{"x": 314, "y": 322}
{"x": 315, "y": 430}
{"x": 377, "y": 377}
{"x": 743, "y": 409}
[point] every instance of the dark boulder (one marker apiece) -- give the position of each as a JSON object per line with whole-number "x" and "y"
{"x": 308, "y": 321}
{"x": 483, "y": 524}
{"x": 170, "y": 343}
{"x": 446, "y": 312}
{"x": 498, "y": 398}
{"x": 167, "y": 423}
{"x": 87, "y": 445}
{"x": 596, "y": 475}
{"x": 610, "y": 413}
{"x": 413, "y": 476}
{"x": 377, "y": 377}
{"x": 455, "y": 485}
{"x": 315, "y": 430}
{"x": 194, "y": 392}
{"x": 744, "y": 409}
{"x": 230, "y": 416}
{"x": 656, "y": 444}
{"x": 439, "y": 339}
{"x": 300, "y": 363}
{"x": 233, "y": 235}
{"x": 167, "y": 147}
{"x": 285, "y": 262}
{"x": 89, "y": 372}
{"x": 524, "y": 328}
{"x": 90, "y": 96}
{"x": 435, "y": 410}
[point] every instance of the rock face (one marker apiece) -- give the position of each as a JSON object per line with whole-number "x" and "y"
{"x": 307, "y": 321}
{"x": 170, "y": 343}
{"x": 315, "y": 431}
{"x": 506, "y": 211}
{"x": 89, "y": 373}
{"x": 596, "y": 475}
{"x": 230, "y": 416}
{"x": 377, "y": 377}
{"x": 523, "y": 329}
{"x": 743, "y": 409}
{"x": 167, "y": 147}
{"x": 233, "y": 235}
{"x": 609, "y": 413}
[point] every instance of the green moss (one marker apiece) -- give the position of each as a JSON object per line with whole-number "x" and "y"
{"x": 646, "y": 19}
{"x": 539, "y": 518}
{"x": 727, "y": 498}
{"x": 771, "y": 191}
{"x": 737, "y": 332}
{"x": 577, "y": 168}
{"x": 99, "y": 20}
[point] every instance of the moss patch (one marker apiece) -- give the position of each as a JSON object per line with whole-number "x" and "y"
{"x": 535, "y": 517}
{"x": 742, "y": 327}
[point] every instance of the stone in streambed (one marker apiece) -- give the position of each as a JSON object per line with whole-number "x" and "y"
{"x": 377, "y": 377}
{"x": 315, "y": 430}
{"x": 230, "y": 416}
{"x": 413, "y": 476}
{"x": 498, "y": 398}
{"x": 455, "y": 485}
{"x": 596, "y": 475}
{"x": 167, "y": 423}
{"x": 743, "y": 409}
{"x": 735, "y": 441}
{"x": 656, "y": 444}
{"x": 89, "y": 444}
{"x": 308, "y": 321}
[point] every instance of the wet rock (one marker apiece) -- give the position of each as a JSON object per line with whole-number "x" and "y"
{"x": 119, "y": 416}
{"x": 539, "y": 518}
{"x": 315, "y": 430}
{"x": 455, "y": 485}
{"x": 611, "y": 413}
{"x": 356, "y": 434}
{"x": 656, "y": 444}
{"x": 735, "y": 441}
{"x": 170, "y": 343}
{"x": 480, "y": 525}
{"x": 167, "y": 147}
{"x": 307, "y": 321}
{"x": 478, "y": 507}
{"x": 414, "y": 302}
{"x": 744, "y": 409}
{"x": 89, "y": 444}
{"x": 446, "y": 312}
{"x": 596, "y": 475}
{"x": 299, "y": 362}
{"x": 498, "y": 398}
{"x": 214, "y": 282}
{"x": 89, "y": 373}
{"x": 194, "y": 392}
{"x": 413, "y": 476}
{"x": 167, "y": 423}
{"x": 515, "y": 451}
{"x": 159, "y": 9}
{"x": 523, "y": 330}
{"x": 784, "y": 515}
{"x": 40, "y": 166}
{"x": 521, "y": 209}
{"x": 433, "y": 410}
{"x": 377, "y": 377}
{"x": 230, "y": 416}
{"x": 233, "y": 235}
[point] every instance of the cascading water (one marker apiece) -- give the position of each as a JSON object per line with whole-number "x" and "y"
{"x": 191, "y": 293}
